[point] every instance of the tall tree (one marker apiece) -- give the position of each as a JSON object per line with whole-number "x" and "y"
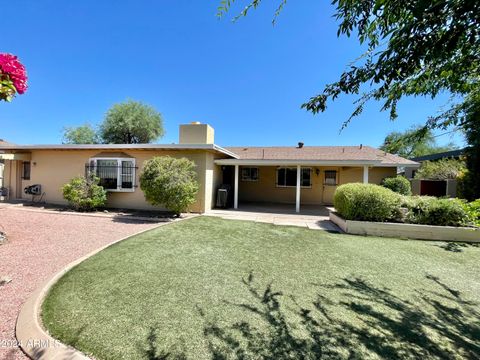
{"x": 84, "y": 134}
{"x": 412, "y": 143}
{"x": 131, "y": 122}
{"x": 414, "y": 48}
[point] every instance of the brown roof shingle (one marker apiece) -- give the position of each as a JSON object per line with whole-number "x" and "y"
{"x": 343, "y": 153}
{"x": 5, "y": 143}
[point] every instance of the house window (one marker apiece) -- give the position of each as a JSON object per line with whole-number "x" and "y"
{"x": 26, "y": 170}
{"x": 330, "y": 177}
{"x": 115, "y": 174}
{"x": 287, "y": 177}
{"x": 249, "y": 173}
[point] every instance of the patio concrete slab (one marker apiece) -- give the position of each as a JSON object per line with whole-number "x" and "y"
{"x": 315, "y": 217}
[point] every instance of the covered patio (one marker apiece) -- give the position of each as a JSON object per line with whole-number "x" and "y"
{"x": 289, "y": 187}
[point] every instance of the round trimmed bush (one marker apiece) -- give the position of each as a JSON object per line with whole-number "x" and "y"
{"x": 399, "y": 184}
{"x": 170, "y": 182}
{"x": 366, "y": 202}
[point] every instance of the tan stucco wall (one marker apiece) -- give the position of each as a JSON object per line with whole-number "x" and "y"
{"x": 53, "y": 168}
{"x": 265, "y": 188}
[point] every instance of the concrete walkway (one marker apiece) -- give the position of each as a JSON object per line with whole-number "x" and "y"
{"x": 314, "y": 217}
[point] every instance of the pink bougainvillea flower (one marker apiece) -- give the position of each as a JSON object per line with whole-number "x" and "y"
{"x": 10, "y": 66}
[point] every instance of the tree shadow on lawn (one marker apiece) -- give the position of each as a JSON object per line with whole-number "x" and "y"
{"x": 439, "y": 325}
{"x": 456, "y": 247}
{"x": 152, "y": 350}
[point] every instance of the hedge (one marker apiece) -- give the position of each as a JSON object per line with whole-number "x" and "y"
{"x": 366, "y": 202}
{"x": 369, "y": 202}
{"x": 433, "y": 211}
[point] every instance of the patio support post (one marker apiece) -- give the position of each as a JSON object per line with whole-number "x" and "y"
{"x": 297, "y": 198}
{"x": 235, "y": 191}
{"x": 365, "y": 174}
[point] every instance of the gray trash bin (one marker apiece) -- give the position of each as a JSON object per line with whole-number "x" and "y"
{"x": 222, "y": 197}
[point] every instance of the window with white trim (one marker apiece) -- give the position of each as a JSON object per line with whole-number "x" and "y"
{"x": 287, "y": 177}
{"x": 249, "y": 174}
{"x": 330, "y": 177}
{"x": 115, "y": 174}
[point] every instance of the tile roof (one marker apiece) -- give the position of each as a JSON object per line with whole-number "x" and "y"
{"x": 343, "y": 153}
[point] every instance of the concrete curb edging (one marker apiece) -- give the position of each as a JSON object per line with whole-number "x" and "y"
{"x": 409, "y": 231}
{"x": 95, "y": 214}
{"x": 29, "y": 331}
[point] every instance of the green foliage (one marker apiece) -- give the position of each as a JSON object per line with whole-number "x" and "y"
{"x": 441, "y": 169}
{"x": 434, "y": 211}
{"x": 367, "y": 202}
{"x": 471, "y": 179}
{"x": 418, "y": 48}
{"x": 84, "y": 194}
{"x": 473, "y": 211}
{"x": 131, "y": 122}
{"x": 169, "y": 182}
{"x": 7, "y": 89}
{"x": 84, "y": 134}
{"x": 399, "y": 184}
{"x": 417, "y": 141}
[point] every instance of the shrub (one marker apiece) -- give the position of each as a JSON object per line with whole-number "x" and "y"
{"x": 366, "y": 202}
{"x": 416, "y": 206}
{"x": 473, "y": 211}
{"x": 399, "y": 184}
{"x": 433, "y": 211}
{"x": 84, "y": 194}
{"x": 169, "y": 182}
{"x": 466, "y": 185}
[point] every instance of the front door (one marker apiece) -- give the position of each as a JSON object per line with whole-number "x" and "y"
{"x": 330, "y": 182}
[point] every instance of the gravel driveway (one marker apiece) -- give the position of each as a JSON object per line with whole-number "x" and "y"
{"x": 40, "y": 244}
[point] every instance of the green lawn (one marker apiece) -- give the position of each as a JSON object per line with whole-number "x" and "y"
{"x": 208, "y": 288}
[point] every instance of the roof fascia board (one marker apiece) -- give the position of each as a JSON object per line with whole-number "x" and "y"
{"x": 211, "y": 147}
{"x": 297, "y": 162}
{"x": 409, "y": 165}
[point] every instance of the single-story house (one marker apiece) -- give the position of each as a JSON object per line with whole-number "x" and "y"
{"x": 286, "y": 174}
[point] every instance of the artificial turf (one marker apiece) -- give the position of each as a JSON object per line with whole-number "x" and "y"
{"x": 208, "y": 288}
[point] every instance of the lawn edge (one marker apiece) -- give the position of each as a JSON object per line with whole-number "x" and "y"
{"x": 32, "y": 336}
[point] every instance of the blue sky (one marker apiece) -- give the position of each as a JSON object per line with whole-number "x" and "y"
{"x": 247, "y": 79}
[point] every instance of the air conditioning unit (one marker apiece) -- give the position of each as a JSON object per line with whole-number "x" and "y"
{"x": 35, "y": 189}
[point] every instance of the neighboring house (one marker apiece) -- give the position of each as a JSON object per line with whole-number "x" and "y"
{"x": 433, "y": 187}
{"x": 255, "y": 174}
{"x": 453, "y": 154}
